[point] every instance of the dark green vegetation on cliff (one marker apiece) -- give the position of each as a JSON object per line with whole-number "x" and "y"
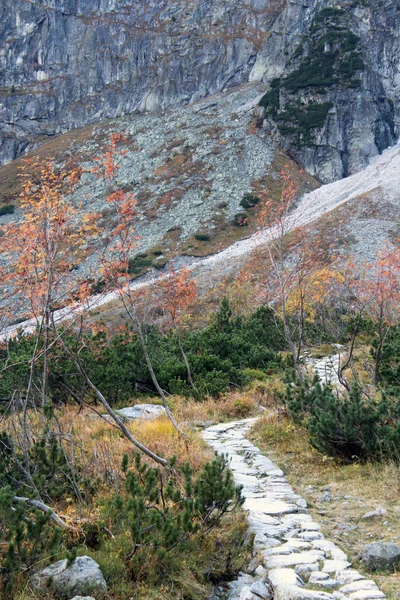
{"x": 330, "y": 57}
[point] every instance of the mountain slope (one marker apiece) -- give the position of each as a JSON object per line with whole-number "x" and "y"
{"x": 68, "y": 63}
{"x": 360, "y": 215}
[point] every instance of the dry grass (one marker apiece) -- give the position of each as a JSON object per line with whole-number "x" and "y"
{"x": 98, "y": 448}
{"x": 234, "y": 405}
{"x": 355, "y": 490}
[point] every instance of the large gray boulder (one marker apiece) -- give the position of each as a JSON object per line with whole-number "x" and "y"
{"x": 142, "y": 411}
{"x": 380, "y": 555}
{"x": 82, "y": 577}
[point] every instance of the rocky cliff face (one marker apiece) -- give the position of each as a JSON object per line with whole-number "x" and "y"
{"x": 67, "y": 63}
{"x": 334, "y": 101}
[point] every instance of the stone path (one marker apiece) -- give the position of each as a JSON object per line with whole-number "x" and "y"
{"x": 292, "y": 559}
{"x": 327, "y": 368}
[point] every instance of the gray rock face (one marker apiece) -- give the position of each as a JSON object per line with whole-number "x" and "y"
{"x": 380, "y": 555}
{"x": 363, "y": 117}
{"x": 142, "y": 411}
{"x": 83, "y": 576}
{"x": 68, "y": 63}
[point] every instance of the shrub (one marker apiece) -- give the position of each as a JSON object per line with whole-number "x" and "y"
{"x": 240, "y": 220}
{"x": 28, "y": 536}
{"x": 7, "y": 209}
{"x": 390, "y": 360}
{"x": 347, "y": 426}
{"x": 160, "y": 513}
{"x": 249, "y": 201}
{"x": 202, "y": 237}
{"x": 49, "y": 468}
{"x": 140, "y": 263}
{"x": 217, "y": 355}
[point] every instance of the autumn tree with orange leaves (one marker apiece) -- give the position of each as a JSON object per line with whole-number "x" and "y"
{"x": 114, "y": 264}
{"x": 369, "y": 291}
{"x": 43, "y": 248}
{"x": 40, "y": 251}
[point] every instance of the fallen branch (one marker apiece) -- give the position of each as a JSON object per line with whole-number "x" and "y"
{"x": 46, "y": 509}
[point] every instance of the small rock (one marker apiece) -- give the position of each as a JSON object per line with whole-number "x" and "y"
{"x": 305, "y": 570}
{"x": 251, "y": 569}
{"x": 284, "y": 577}
{"x": 142, "y": 411}
{"x": 83, "y": 598}
{"x": 331, "y": 566}
{"x": 357, "y": 586}
{"x": 367, "y": 595}
{"x": 318, "y": 576}
{"x": 380, "y": 555}
{"x": 337, "y": 554}
{"x": 269, "y": 507}
{"x": 326, "y": 497}
{"x": 260, "y": 589}
{"x": 323, "y": 580}
{"x": 310, "y": 526}
{"x": 297, "y": 558}
{"x": 261, "y": 572}
{"x": 348, "y": 576}
{"x": 247, "y": 594}
{"x": 378, "y": 512}
{"x": 310, "y": 536}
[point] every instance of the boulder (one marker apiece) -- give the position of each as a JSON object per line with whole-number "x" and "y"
{"x": 142, "y": 411}
{"x": 380, "y": 555}
{"x": 83, "y": 576}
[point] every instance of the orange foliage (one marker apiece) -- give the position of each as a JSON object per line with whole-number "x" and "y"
{"x": 179, "y": 293}
{"x": 45, "y": 244}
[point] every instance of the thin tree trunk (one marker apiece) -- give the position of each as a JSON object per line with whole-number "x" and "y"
{"x": 347, "y": 362}
{"x": 46, "y": 509}
{"x": 159, "y": 389}
{"x": 187, "y": 365}
{"x": 131, "y": 312}
{"x": 45, "y": 356}
{"x": 378, "y": 353}
{"x": 113, "y": 415}
{"x": 289, "y": 340}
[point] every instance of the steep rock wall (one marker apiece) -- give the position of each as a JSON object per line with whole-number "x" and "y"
{"x": 363, "y": 111}
{"x": 67, "y": 63}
